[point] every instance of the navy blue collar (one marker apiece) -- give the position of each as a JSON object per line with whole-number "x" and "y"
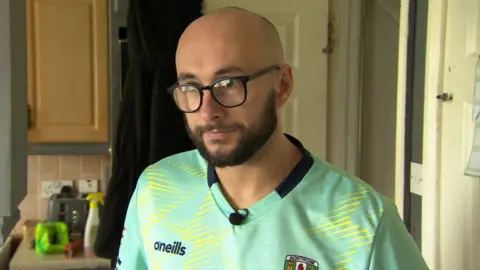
{"x": 292, "y": 180}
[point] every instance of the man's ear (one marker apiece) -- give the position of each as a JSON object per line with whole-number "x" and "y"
{"x": 285, "y": 85}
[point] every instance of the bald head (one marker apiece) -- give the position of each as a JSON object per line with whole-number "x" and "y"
{"x": 271, "y": 39}
{"x": 233, "y": 25}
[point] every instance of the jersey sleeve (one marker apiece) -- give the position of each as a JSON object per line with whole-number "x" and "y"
{"x": 131, "y": 255}
{"x": 394, "y": 247}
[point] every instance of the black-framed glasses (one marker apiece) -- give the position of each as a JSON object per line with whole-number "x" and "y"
{"x": 229, "y": 92}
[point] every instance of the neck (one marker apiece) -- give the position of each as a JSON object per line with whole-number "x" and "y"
{"x": 246, "y": 184}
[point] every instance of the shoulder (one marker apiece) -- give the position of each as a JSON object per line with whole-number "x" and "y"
{"x": 356, "y": 219}
{"x": 179, "y": 169}
{"x": 343, "y": 193}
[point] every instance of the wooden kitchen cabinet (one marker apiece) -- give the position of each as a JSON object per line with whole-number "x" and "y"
{"x": 68, "y": 71}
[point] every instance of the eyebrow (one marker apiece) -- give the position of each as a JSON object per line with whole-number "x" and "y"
{"x": 219, "y": 73}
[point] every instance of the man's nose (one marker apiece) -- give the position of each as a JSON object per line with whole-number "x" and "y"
{"x": 210, "y": 109}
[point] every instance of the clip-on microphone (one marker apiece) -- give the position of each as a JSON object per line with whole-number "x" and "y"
{"x": 236, "y": 218}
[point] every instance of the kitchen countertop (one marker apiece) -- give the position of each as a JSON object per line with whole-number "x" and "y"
{"x": 26, "y": 259}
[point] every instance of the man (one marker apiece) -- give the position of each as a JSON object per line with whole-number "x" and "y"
{"x": 251, "y": 197}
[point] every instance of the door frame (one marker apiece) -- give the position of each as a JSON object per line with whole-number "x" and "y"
{"x": 434, "y": 70}
{"x": 344, "y": 83}
{"x": 401, "y": 110}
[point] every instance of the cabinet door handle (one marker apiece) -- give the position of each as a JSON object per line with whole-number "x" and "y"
{"x": 29, "y": 116}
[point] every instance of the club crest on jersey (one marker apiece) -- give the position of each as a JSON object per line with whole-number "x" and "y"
{"x": 294, "y": 262}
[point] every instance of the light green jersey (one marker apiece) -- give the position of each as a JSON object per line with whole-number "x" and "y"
{"x": 318, "y": 218}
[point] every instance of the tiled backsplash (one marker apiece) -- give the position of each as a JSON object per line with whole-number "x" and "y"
{"x": 54, "y": 168}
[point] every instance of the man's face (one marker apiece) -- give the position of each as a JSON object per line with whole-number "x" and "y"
{"x": 227, "y": 136}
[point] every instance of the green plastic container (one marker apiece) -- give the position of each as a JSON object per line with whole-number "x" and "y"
{"x": 51, "y": 237}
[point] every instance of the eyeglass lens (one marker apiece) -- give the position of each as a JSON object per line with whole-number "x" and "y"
{"x": 229, "y": 92}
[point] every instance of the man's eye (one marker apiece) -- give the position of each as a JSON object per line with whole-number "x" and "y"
{"x": 188, "y": 88}
{"x": 225, "y": 83}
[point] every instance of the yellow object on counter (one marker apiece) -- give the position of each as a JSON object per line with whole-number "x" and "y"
{"x": 29, "y": 232}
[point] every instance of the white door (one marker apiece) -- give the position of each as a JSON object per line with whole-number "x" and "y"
{"x": 303, "y": 29}
{"x": 459, "y": 204}
{"x": 451, "y": 212}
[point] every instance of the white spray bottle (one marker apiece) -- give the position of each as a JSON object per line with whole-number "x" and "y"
{"x": 93, "y": 222}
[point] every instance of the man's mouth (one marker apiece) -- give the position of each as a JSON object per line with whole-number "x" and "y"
{"x": 218, "y": 134}
{"x": 221, "y": 130}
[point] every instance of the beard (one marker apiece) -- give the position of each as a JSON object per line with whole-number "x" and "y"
{"x": 251, "y": 139}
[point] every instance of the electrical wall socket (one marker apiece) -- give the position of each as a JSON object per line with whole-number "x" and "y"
{"x": 87, "y": 186}
{"x": 416, "y": 178}
{"x": 48, "y": 188}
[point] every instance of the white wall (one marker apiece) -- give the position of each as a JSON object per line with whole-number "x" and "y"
{"x": 379, "y": 94}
